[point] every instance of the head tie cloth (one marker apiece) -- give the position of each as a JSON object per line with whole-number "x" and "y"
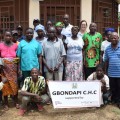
{"x": 59, "y": 24}
{"x": 109, "y": 29}
{"x": 39, "y": 27}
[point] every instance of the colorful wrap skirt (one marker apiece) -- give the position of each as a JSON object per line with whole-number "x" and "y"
{"x": 10, "y": 72}
{"x": 74, "y": 71}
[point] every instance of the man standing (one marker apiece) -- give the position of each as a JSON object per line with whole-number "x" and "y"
{"x": 29, "y": 51}
{"x": 20, "y": 33}
{"x": 92, "y": 45}
{"x": 112, "y": 58}
{"x": 53, "y": 54}
{"x": 66, "y": 31}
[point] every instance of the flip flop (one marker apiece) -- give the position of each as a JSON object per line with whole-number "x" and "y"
{"x": 21, "y": 112}
{"x": 40, "y": 107}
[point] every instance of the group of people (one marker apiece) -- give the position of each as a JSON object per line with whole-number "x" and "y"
{"x": 60, "y": 52}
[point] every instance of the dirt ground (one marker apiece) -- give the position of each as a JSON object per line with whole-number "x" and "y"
{"x": 109, "y": 112}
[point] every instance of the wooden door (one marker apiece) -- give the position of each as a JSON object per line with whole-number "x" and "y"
{"x": 55, "y": 9}
{"x": 7, "y": 14}
{"x": 105, "y": 14}
{"x": 13, "y": 13}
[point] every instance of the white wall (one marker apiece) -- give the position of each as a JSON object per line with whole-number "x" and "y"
{"x": 33, "y": 11}
{"x": 86, "y": 11}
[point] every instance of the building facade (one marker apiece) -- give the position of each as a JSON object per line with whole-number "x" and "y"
{"x": 22, "y": 12}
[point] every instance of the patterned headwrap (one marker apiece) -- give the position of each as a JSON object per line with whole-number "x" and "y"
{"x": 59, "y": 24}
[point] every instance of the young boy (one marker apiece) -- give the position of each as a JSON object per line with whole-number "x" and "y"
{"x": 100, "y": 76}
{"x": 33, "y": 90}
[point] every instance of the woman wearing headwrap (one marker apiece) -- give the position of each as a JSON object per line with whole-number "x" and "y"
{"x": 106, "y": 42}
{"x": 59, "y": 26}
{"x": 41, "y": 34}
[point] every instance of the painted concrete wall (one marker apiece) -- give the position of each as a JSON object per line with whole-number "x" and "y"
{"x": 86, "y": 11}
{"x": 33, "y": 11}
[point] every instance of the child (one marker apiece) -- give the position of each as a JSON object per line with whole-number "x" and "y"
{"x": 99, "y": 75}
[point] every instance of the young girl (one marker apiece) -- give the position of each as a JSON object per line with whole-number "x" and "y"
{"x": 100, "y": 76}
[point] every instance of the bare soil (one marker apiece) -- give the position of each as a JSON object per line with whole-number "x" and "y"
{"x": 109, "y": 112}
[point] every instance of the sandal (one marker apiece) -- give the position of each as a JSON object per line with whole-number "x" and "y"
{"x": 21, "y": 112}
{"x": 48, "y": 103}
{"x": 40, "y": 107}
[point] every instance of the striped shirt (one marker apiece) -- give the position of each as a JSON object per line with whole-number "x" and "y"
{"x": 32, "y": 87}
{"x": 113, "y": 58}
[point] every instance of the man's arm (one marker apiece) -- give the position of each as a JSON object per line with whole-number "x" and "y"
{"x": 39, "y": 53}
{"x": 106, "y": 61}
{"x": 101, "y": 56}
{"x": 63, "y": 54}
{"x": 25, "y": 93}
{"x": 59, "y": 64}
{"x": 105, "y": 67}
{"x": 45, "y": 63}
{"x": 40, "y": 62}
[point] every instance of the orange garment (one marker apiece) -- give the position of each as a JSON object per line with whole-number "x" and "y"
{"x": 10, "y": 72}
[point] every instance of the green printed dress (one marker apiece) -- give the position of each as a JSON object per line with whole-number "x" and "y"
{"x": 92, "y": 46}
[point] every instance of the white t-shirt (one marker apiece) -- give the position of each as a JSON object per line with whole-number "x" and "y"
{"x": 80, "y": 34}
{"x": 104, "y": 45}
{"x": 35, "y": 34}
{"x": 67, "y": 31}
{"x": 74, "y": 49}
{"x": 92, "y": 77}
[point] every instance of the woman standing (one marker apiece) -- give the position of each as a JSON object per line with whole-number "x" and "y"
{"x": 9, "y": 71}
{"x": 74, "y": 66}
{"x": 41, "y": 34}
{"x": 59, "y": 27}
{"x": 83, "y": 27}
